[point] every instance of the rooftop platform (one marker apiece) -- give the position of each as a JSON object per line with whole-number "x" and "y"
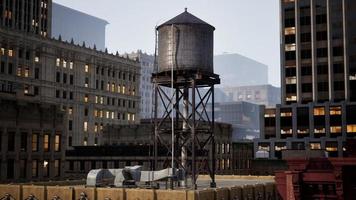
{"x": 229, "y": 187}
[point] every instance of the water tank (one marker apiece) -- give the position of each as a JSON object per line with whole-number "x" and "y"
{"x": 185, "y": 43}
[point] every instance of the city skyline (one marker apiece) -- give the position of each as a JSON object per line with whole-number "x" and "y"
{"x": 233, "y": 34}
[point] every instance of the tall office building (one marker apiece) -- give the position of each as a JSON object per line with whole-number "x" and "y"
{"x": 31, "y": 16}
{"x": 236, "y": 70}
{"x": 318, "y": 76}
{"x": 146, "y": 86}
{"x": 94, "y": 88}
{"x": 80, "y": 27}
{"x": 55, "y": 94}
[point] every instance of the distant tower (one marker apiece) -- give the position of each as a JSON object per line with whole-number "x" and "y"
{"x": 185, "y": 55}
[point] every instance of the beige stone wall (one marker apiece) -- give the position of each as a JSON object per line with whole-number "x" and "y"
{"x": 19, "y": 192}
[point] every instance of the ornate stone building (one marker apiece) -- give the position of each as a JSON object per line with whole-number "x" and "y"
{"x": 92, "y": 88}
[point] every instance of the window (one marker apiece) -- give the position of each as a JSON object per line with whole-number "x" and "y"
{"x": 64, "y": 64}
{"x": 86, "y": 68}
{"x": 64, "y": 95}
{"x": 335, "y": 110}
{"x": 86, "y": 98}
{"x": 37, "y": 73}
{"x": 70, "y": 125}
{"x": 70, "y": 65}
{"x": 339, "y": 85}
{"x": 305, "y": 37}
{"x": 335, "y": 129}
{"x": 27, "y": 72}
{"x": 23, "y": 142}
{"x": 86, "y": 82}
{"x": 71, "y": 79}
{"x": 112, "y": 115}
{"x": 319, "y": 111}
{"x": 306, "y": 54}
{"x": 19, "y": 71}
{"x": 85, "y": 127}
{"x": 23, "y": 169}
{"x": 46, "y": 143}
{"x": 58, "y": 77}
{"x": 290, "y": 55}
{"x": 315, "y": 146}
{"x": 96, "y": 127}
{"x": 2, "y": 69}
{"x": 34, "y": 168}
{"x": 58, "y": 62}
{"x": 10, "y": 69}
{"x": 322, "y": 52}
{"x": 290, "y": 30}
{"x": 45, "y": 168}
{"x": 321, "y": 19}
{"x": 11, "y": 142}
{"x": 113, "y": 87}
{"x": 307, "y": 87}
{"x": 70, "y": 110}
{"x": 71, "y": 95}
{"x": 338, "y": 68}
{"x": 338, "y": 51}
{"x": 10, "y": 52}
{"x": 86, "y": 111}
{"x": 70, "y": 141}
{"x": 57, "y": 94}
{"x": 321, "y": 36}
{"x": 34, "y": 142}
{"x": 306, "y": 70}
{"x": 37, "y": 59}
{"x": 305, "y": 20}
{"x": 57, "y": 143}
{"x": 65, "y": 78}
{"x": 322, "y": 69}
{"x": 57, "y": 168}
{"x": 107, "y": 114}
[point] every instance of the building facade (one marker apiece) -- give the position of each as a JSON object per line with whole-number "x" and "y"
{"x": 32, "y": 140}
{"x": 243, "y": 117}
{"x": 27, "y": 16}
{"x": 80, "y": 27}
{"x": 128, "y": 145}
{"x": 94, "y": 88}
{"x": 267, "y": 95}
{"x": 236, "y": 70}
{"x": 146, "y": 86}
{"x": 318, "y": 79}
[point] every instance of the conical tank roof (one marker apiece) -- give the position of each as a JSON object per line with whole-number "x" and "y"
{"x": 185, "y": 18}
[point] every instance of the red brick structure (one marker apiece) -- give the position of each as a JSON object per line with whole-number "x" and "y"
{"x": 318, "y": 178}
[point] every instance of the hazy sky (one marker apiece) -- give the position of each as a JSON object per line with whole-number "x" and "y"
{"x": 247, "y": 27}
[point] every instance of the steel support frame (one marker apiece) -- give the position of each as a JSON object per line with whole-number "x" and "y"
{"x": 199, "y": 139}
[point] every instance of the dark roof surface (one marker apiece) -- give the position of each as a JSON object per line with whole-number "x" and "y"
{"x": 185, "y": 18}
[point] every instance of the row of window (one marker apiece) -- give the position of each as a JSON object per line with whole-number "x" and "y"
{"x": 99, "y": 70}
{"x": 35, "y": 166}
{"x": 98, "y": 99}
{"x": 9, "y": 52}
{"x": 35, "y": 144}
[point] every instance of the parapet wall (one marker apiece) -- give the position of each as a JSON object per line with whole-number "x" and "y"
{"x": 35, "y": 192}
